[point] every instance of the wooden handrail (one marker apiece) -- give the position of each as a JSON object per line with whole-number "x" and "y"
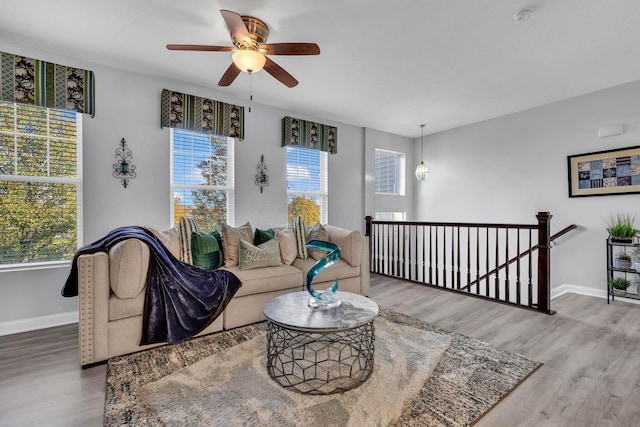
{"x": 563, "y": 231}
{"x": 522, "y": 255}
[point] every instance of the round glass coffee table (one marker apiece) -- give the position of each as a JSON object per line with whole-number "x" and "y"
{"x": 320, "y": 351}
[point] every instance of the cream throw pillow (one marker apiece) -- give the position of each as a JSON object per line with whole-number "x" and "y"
{"x": 169, "y": 238}
{"x": 317, "y": 232}
{"x": 186, "y": 226}
{"x": 300, "y": 232}
{"x": 266, "y": 254}
{"x": 288, "y": 249}
{"x": 231, "y": 242}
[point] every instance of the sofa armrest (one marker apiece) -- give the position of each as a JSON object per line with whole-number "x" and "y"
{"x": 349, "y": 242}
{"x": 93, "y": 301}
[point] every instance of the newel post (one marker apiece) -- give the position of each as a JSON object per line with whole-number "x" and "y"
{"x": 544, "y": 262}
{"x": 367, "y": 225}
{"x": 367, "y": 232}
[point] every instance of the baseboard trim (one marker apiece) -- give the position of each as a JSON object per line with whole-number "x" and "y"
{"x": 34, "y": 323}
{"x": 583, "y": 290}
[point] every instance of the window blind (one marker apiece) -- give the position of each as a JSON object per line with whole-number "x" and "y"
{"x": 40, "y": 184}
{"x": 307, "y": 180}
{"x": 386, "y": 169}
{"x": 202, "y": 178}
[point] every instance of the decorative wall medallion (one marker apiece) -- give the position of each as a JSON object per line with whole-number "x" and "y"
{"x": 124, "y": 169}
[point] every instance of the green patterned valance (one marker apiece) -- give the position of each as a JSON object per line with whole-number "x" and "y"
{"x": 197, "y": 114}
{"x": 31, "y": 81}
{"x": 306, "y": 134}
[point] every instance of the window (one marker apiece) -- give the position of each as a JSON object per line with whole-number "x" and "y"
{"x": 202, "y": 178}
{"x": 389, "y": 172}
{"x": 40, "y": 184}
{"x": 390, "y": 216}
{"x": 307, "y": 186}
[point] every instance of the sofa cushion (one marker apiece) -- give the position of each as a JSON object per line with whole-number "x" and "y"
{"x": 266, "y": 279}
{"x": 121, "y": 308}
{"x": 350, "y": 242}
{"x": 317, "y": 232}
{"x": 231, "y": 242}
{"x": 169, "y": 238}
{"x": 301, "y": 237}
{"x": 340, "y": 270}
{"x": 261, "y": 236}
{"x": 266, "y": 254}
{"x": 128, "y": 264}
{"x": 186, "y": 226}
{"x": 205, "y": 249}
{"x": 288, "y": 249}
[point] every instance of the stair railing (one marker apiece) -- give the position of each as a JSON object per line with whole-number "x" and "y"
{"x": 507, "y": 263}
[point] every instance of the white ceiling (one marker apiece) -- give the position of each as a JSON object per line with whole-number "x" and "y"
{"x": 387, "y": 65}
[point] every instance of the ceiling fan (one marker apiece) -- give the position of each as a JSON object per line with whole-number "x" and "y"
{"x": 248, "y": 35}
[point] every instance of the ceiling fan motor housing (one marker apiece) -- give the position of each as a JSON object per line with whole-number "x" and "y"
{"x": 258, "y": 31}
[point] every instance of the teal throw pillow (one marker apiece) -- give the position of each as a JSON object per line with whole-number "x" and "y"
{"x": 264, "y": 255}
{"x": 261, "y": 236}
{"x": 206, "y": 249}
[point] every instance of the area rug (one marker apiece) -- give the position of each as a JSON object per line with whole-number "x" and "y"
{"x": 423, "y": 376}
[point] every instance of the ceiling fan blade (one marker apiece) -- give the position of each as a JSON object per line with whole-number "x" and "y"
{"x": 200, "y": 47}
{"x": 229, "y": 76}
{"x": 290, "y": 49}
{"x": 280, "y": 73}
{"x": 237, "y": 30}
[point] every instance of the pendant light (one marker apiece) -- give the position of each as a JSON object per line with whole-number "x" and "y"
{"x": 422, "y": 173}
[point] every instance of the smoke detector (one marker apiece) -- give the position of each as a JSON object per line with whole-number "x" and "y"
{"x": 522, "y": 15}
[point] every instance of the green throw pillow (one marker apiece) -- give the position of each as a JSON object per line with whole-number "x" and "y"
{"x": 206, "y": 249}
{"x": 261, "y": 236}
{"x": 264, "y": 255}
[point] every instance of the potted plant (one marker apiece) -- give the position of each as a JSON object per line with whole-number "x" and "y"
{"x": 622, "y": 261}
{"x": 621, "y": 227}
{"x": 620, "y": 285}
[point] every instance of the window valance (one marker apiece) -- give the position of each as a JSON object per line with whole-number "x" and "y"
{"x": 194, "y": 113}
{"x": 306, "y": 134}
{"x": 45, "y": 84}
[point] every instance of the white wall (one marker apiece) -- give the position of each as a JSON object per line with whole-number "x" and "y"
{"x": 128, "y": 105}
{"x": 507, "y": 169}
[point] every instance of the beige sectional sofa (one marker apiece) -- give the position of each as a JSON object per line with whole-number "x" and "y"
{"x": 111, "y": 290}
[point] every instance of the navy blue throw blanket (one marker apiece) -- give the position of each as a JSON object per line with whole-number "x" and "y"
{"x": 180, "y": 300}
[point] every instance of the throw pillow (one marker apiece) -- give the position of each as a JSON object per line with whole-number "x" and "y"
{"x": 206, "y": 250}
{"x": 317, "y": 232}
{"x": 261, "y": 236}
{"x": 301, "y": 237}
{"x": 169, "y": 238}
{"x": 231, "y": 242}
{"x": 186, "y": 226}
{"x": 288, "y": 249}
{"x": 264, "y": 255}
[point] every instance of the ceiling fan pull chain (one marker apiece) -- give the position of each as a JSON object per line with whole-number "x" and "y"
{"x": 250, "y": 91}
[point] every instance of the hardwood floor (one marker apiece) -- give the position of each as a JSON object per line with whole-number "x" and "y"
{"x": 590, "y": 377}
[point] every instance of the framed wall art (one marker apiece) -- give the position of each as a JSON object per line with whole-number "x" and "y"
{"x": 604, "y": 172}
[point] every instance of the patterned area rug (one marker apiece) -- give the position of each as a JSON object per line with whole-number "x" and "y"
{"x": 457, "y": 380}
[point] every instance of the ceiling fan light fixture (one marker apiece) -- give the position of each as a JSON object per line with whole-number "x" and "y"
{"x": 249, "y": 60}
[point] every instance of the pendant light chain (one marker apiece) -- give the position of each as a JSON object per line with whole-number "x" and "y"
{"x": 422, "y": 141}
{"x": 250, "y": 91}
{"x": 422, "y": 172}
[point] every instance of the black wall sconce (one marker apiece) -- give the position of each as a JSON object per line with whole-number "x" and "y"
{"x": 262, "y": 179}
{"x": 124, "y": 169}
